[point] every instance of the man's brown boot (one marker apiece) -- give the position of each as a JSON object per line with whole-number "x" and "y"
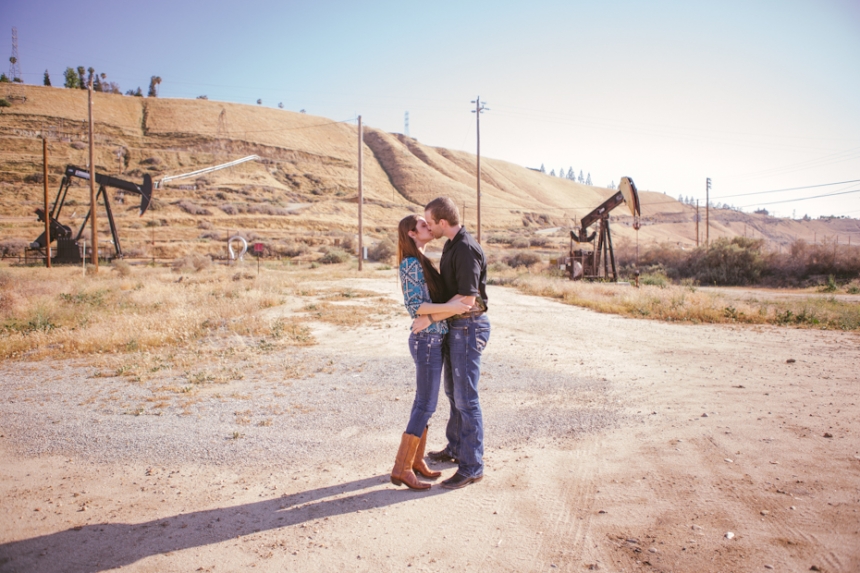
{"x": 402, "y": 472}
{"x": 419, "y": 465}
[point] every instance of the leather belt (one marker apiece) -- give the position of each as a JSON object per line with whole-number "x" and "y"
{"x": 468, "y": 315}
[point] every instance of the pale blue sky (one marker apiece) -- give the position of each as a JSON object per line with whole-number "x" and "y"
{"x": 757, "y": 95}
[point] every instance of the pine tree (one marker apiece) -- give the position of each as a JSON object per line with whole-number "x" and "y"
{"x": 588, "y": 180}
{"x": 542, "y": 169}
{"x": 552, "y": 173}
{"x": 571, "y": 175}
{"x": 47, "y": 79}
{"x": 581, "y": 178}
{"x": 82, "y": 84}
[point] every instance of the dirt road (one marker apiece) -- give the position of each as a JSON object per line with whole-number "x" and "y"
{"x": 613, "y": 444}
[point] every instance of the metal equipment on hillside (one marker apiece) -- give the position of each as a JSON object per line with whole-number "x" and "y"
{"x": 67, "y": 251}
{"x": 586, "y": 264}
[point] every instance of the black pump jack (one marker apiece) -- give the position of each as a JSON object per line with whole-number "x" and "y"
{"x": 67, "y": 250}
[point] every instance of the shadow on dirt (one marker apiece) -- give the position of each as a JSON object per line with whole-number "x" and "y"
{"x": 103, "y": 546}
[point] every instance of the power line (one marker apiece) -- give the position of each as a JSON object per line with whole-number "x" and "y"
{"x": 804, "y": 198}
{"x": 788, "y": 189}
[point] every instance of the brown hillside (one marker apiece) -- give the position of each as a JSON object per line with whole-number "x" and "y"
{"x": 305, "y": 186}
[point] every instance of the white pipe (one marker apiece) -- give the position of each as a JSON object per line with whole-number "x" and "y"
{"x": 164, "y": 180}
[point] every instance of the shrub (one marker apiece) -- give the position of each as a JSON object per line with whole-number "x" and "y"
{"x": 522, "y": 260}
{"x": 13, "y": 247}
{"x": 334, "y": 256}
{"x": 520, "y": 243}
{"x": 657, "y": 279}
{"x": 229, "y": 208}
{"x": 192, "y": 262}
{"x": 5, "y": 102}
{"x": 156, "y": 204}
{"x": 191, "y": 208}
{"x": 122, "y": 267}
{"x": 291, "y": 249}
{"x": 538, "y": 241}
{"x": 382, "y": 251}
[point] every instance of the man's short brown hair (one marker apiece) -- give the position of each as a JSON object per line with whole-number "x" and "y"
{"x": 443, "y": 208}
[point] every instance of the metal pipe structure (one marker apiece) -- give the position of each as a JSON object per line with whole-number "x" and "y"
{"x": 164, "y": 180}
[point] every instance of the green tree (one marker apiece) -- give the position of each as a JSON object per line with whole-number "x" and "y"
{"x": 153, "y": 86}
{"x": 4, "y": 79}
{"x": 82, "y": 83}
{"x": 47, "y": 79}
{"x": 71, "y": 79}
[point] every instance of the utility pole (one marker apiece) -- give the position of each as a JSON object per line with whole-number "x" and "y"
{"x": 95, "y": 238}
{"x": 479, "y": 109}
{"x": 697, "y": 222}
{"x": 47, "y": 213}
{"x": 708, "y": 212}
{"x": 360, "y": 200}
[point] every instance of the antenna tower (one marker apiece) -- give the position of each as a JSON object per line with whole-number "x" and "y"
{"x": 14, "y": 63}
{"x": 406, "y": 124}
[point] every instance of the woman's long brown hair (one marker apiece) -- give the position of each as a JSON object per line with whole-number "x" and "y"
{"x": 406, "y": 248}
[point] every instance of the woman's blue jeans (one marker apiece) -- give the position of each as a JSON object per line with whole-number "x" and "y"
{"x": 426, "y": 349}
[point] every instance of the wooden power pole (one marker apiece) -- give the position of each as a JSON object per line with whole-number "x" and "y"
{"x": 47, "y": 213}
{"x": 360, "y": 200}
{"x": 94, "y": 240}
{"x": 697, "y": 222}
{"x": 708, "y": 212}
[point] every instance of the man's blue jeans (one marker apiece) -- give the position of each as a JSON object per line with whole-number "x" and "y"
{"x": 466, "y": 340}
{"x": 426, "y": 350}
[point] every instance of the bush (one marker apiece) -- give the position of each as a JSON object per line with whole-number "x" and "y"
{"x": 229, "y": 208}
{"x": 13, "y": 247}
{"x": 520, "y": 243}
{"x": 334, "y": 256}
{"x": 538, "y": 241}
{"x": 122, "y": 267}
{"x": 191, "y": 208}
{"x": 383, "y": 251}
{"x": 657, "y": 279}
{"x": 291, "y": 249}
{"x": 192, "y": 262}
{"x": 522, "y": 260}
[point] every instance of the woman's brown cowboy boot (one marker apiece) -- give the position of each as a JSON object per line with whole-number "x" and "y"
{"x": 402, "y": 472}
{"x": 419, "y": 465}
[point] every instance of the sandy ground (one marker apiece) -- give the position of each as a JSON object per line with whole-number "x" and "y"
{"x": 613, "y": 444}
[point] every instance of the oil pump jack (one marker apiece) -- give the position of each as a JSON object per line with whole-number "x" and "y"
{"x": 586, "y": 264}
{"x": 67, "y": 246}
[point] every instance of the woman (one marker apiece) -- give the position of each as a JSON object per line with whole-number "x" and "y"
{"x": 422, "y": 286}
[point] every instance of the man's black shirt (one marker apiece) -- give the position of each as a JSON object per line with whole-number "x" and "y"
{"x": 464, "y": 267}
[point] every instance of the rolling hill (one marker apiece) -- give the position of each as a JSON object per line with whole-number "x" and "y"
{"x": 304, "y": 187}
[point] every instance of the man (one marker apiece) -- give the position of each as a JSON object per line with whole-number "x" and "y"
{"x": 464, "y": 273}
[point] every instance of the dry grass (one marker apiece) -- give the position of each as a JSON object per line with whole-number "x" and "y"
{"x": 689, "y": 304}
{"x": 59, "y": 312}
